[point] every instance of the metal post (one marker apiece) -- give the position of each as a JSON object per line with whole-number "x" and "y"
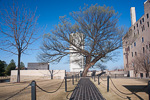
{"x": 72, "y": 80}
{"x": 76, "y": 77}
{"x": 107, "y": 83}
{"x": 149, "y": 89}
{"x": 65, "y": 73}
{"x": 33, "y": 90}
{"x": 52, "y": 75}
{"x": 98, "y": 80}
{"x": 65, "y": 84}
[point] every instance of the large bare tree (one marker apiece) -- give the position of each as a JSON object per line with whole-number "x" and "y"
{"x": 17, "y": 30}
{"x": 100, "y": 35}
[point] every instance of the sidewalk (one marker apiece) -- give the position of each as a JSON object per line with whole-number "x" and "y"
{"x": 86, "y": 90}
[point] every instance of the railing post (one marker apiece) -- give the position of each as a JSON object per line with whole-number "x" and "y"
{"x": 33, "y": 90}
{"x": 52, "y": 75}
{"x": 108, "y": 83}
{"x": 65, "y": 84}
{"x": 149, "y": 89}
{"x": 76, "y": 77}
{"x": 98, "y": 80}
{"x": 72, "y": 80}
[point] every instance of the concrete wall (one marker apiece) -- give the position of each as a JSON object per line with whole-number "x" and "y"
{"x": 26, "y": 75}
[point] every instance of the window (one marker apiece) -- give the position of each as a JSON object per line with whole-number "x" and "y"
{"x": 132, "y": 54}
{"x": 143, "y": 50}
{"x": 137, "y": 24}
{"x": 142, "y": 39}
{"x": 140, "y": 22}
{"x": 134, "y": 43}
{"x": 143, "y": 19}
{"x": 128, "y": 48}
{"x": 132, "y": 64}
{"x": 148, "y": 24}
{"x": 147, "y": 15}
{"x": 135, "y": 54}
{"x": 143, "y": 28}
{"x": 138, "y": 32}
{"x": 146, "y": 46}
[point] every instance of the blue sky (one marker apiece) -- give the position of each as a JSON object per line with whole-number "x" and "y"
{"x": 49, "y": 12}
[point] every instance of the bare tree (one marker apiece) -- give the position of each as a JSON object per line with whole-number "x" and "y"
{"x": 142, "y": 63}
{"x": 17, "y": 30}
{"x": 101, "y": 36}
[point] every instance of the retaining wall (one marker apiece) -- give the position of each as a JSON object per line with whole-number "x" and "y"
{"x": 26, "y": 75}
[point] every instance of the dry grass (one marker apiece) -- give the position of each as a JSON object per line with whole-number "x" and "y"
{"x": 8, "y": 89}
{"x": 121, "y": 84}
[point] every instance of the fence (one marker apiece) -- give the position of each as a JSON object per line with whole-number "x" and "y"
{"x": 34, "y": 85}
{"x": 109, "y": 79}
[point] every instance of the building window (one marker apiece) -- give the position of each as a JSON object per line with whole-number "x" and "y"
{"x": 135, "y": 54}
{"x": 128, "y": 48}
{"x": 143, "y": 50}
{"x": 134, "y": 43}
{"x": 138, "y": 32}
{"x": 147, "y": 15}
{"x": 148, "y": 24}
{"x": 132, "y": 64}
{"x": 146, "y": 46}
{"x": 143, "y": 19}
{"x": 140, "y": 22}
{"x": 132, "y": 54}
{"x": 143, "y": 28}
{"x": 142, "y": 39}
{"x": 137, "y": 24}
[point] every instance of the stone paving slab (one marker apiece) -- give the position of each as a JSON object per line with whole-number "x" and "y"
{"x": 86, "y": 90}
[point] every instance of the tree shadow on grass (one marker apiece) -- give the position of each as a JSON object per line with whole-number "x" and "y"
{"x": 137, "y": 88}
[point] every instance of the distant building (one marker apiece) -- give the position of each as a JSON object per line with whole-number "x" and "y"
{"x": 136, "y": 41}
{"x": 76, "y": 59}
{"x": 38, "y": 66}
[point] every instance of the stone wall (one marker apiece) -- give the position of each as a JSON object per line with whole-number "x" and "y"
{"x": 27, "y": 75}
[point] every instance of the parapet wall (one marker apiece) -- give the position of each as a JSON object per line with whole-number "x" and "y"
{"x": 27, "y": 75}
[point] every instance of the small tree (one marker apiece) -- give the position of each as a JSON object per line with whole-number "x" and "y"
{"x": 3, "y": 65}
{"x": 10, "y": 67}
{"x": 142, "y": 63}
{"x": 17, "y": 31}
{"x": 100, "y": 35}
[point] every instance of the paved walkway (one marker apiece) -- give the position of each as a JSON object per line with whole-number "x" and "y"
{"x": 86, "y": 90}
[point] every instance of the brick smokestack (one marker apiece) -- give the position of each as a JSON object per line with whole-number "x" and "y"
{"x": 133, "y": 15}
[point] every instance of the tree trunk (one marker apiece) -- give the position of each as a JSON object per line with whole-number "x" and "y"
{"x": 18, "y": 74}
{"x": 84, "y": 74}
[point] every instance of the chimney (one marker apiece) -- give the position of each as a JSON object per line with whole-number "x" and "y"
{"x": 133, "y": 16}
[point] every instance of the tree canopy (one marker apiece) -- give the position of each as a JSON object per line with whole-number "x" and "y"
{"x": 100, "y": 36}
{"x": 10, "y": 67}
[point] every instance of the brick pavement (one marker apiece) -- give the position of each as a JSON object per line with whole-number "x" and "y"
{"x": 86, "y": 90}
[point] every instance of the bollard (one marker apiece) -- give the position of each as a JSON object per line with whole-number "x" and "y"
{"x": 33, "y": 90}
{"x": 72, "y": 80}
{"x": 52, "y": 75}
{"x": 76, "y": 77}
{"x": 94, "y": 78}
{"x": 108, "y": 83}
{"x": 98, "y": 80}
{"x": 65, "y": 73}
{"x": 149, "y": 89}
{"x": 65, "y": 84}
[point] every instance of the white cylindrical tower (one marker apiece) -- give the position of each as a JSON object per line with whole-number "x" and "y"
{"x": 133, "y": 15}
